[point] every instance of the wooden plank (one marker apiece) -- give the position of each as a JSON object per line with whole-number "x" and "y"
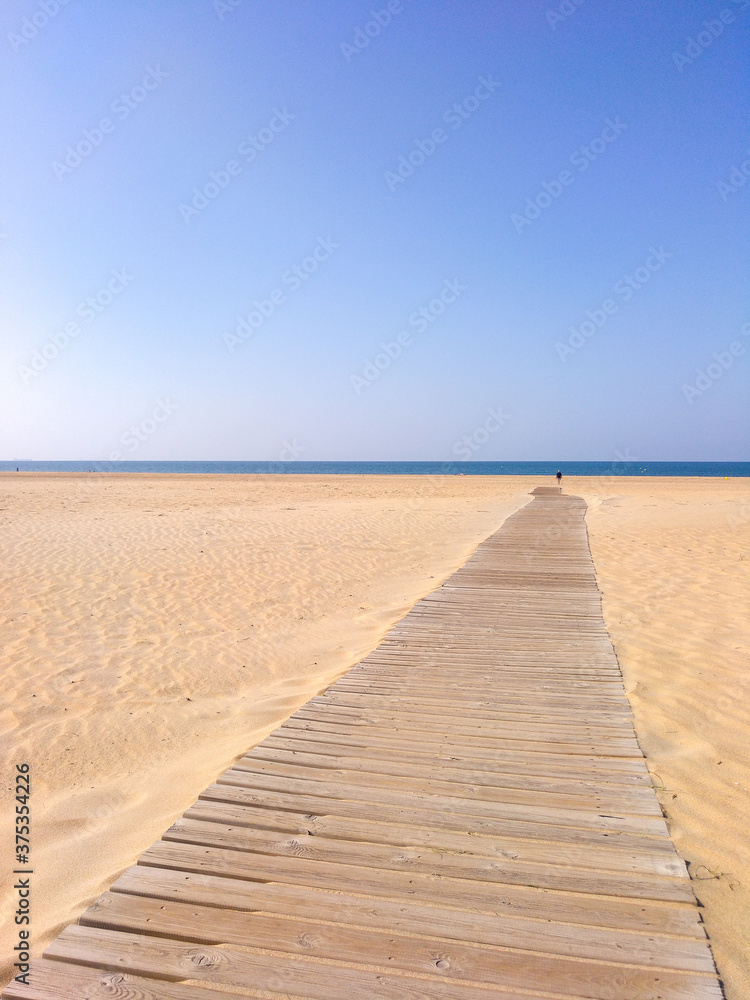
{"x": 523, "y": 761}
{"x": 139, "y": 954}
{"x": 416, "y": 953}
{"x": 49, "y": 980}
{"x": 501, "y": 870}
{"x": 609, "y": 857}
{"x": 465, "y": 804}
{"x": 416, "y": 721}
{"x": 440, "y": 819}
{"x": 602, "y": 944}
{"x": 423, "y": 715}
{"x": 474, "y": 709}
{"x": 571, "y": 781}
{"x": 491, "y": 787}
{"x": 557, "y": 706}
{"x": 434, "y": 888}
{"x": 426, "y": 967}
{"x": 454, "y": 735}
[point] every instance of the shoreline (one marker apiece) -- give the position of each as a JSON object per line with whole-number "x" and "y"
{"x": 290, "y": 469}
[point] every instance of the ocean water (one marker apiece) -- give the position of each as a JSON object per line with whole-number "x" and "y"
{"x": 712, "y": 469}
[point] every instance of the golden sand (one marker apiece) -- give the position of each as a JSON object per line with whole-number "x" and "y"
{"x": 160, "y": 625}
{"x": 673, "y": 563}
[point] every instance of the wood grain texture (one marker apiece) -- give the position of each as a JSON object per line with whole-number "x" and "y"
{"x": 465, "y": 814}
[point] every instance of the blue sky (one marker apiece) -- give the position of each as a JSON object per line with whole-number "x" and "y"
{"x": 570, "y": 217}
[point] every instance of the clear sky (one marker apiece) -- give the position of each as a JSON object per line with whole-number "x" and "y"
{"x": 215, "y": 213}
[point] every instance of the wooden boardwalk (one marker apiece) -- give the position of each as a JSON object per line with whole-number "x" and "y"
{"x": 464, "y": 815}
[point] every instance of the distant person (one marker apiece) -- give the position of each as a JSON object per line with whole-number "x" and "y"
{"x": 559, "y": 477}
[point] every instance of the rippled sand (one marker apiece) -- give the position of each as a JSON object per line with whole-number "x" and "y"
{"x": 158, "y": 626}
{"x": 673, "y": 562}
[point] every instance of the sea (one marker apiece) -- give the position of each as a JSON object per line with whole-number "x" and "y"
{"x": 461, "y": 468}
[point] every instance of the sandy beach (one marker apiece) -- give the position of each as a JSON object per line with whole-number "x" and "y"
{"x": 673, "y": 566}
{"x": 157, "y": 626}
